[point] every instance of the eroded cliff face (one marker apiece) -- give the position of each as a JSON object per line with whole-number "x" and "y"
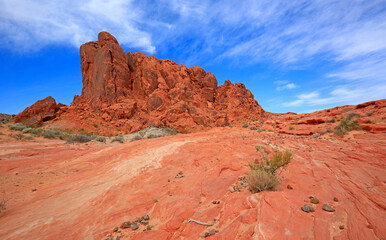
{"x": 127, "y": 92}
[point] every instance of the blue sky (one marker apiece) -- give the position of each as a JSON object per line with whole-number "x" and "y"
{"x": 297, "y": 56}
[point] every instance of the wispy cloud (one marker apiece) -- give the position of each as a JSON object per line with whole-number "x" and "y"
{"x": 283, "y": 85}
{"x": 29, "y": 25}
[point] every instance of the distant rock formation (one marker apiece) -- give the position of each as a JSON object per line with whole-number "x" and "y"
{"x": 37, "y": 113}
{"x": 132, "y": 91}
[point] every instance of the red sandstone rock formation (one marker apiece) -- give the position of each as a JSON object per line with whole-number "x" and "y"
{"x": 127, "y": 92}
{"x": 42, "y": 110}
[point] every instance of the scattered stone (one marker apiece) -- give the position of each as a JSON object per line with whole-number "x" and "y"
{"x": 146, "y": 217}
{"x": 289, "y": 187}
{"x": 115, "y": 229}
{"x": 116, "y": 237}
{"x": 148, "y": 227}
{"x": 328, "y": 208}
{"x": 308, "y": 208}
{"x": 210, "y": 233}
{"x": 135, "y": 226}
{"x": 168, "y": 180}
{"x": 336, "y": 199}
{"x": 231, "y": 189}
{"x": 126, "y": 225}
{"x": 216, "y": 202}
{"x": 108, "y": 237}
{"x": 314, "y": 200}
{"x": 341, "y": 227}
{"x": 179, "y": 175}
{"x": 34, "y": 190}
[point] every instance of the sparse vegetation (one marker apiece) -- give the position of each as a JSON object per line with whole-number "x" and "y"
{"x": 26, "y": 130}
{"x": 136, "y": 138}
{"x": 260, "y": 180}
{"x": 18, "y": 136}
{"x": 291, "y": 128}
{"x": 1, "y": 133}
{"x": 351, "y": 116}
{"x": 16, "y": 126}
{"x": 245, "y": 125}
{"x": 28, "y": 137}
{"x": 316, "y": 135}
{"x": 346, "y": 126}
{"x": 253, "y": 128}
{"x": 118, "y": 139}
{"x": 332, "y": 120}
{"x": 264, "y": 174}
{"x": 100, "y": 139}
{"x": 370, "y": 113}
{"x": 80, "y": 138}
{"x": 51, "y": 134}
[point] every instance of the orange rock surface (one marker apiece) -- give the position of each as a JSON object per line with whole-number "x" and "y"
{"x": 83, "y": 191}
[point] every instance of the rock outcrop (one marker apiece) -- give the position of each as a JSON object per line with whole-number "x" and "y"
{"x": 37, "y": 113}
{"x": 127, "y": 92}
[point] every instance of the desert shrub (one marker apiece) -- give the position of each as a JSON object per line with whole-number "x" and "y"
{"x": 253, "y": 128}
{"x": 51, "y": 134}
{"x": 36, "y": 131}
{"x": 351, "y": 115}
{"x": 276, "y": 162}
{"x": 291, "y": 128}
{"x": 16, "y": 126}
{"x": 81, "y": 138}
{"x": 100, "y": 139}
{"x": 245, "y": 125}
{"x": 118, "y": 139}
{"x": 316, "y": 135}
{"x": 1, "y": 133}
{"x": 29, "y": 138}
{"x": 1, "y": 125}
{"x": 346, "y": 126}
{"x": 26, "y": 130}
{"x": 136, "y": 138}
{"x": 18, "y": 136}
{"x": 259, "y": 180}
{"x": 370, "y": 113}
{"x": 260, "y": 130}
{"x": 332, "y": 120}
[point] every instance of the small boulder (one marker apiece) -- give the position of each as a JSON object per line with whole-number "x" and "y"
{"x": 126, "y": 225}
{"x": 115, "y": 229}
{"x": 135, "y": 226}
{"x": 146, "y": 217}
{"x": 289, "y": 187}
{"x": 336, "y": 199}
{"x": 231, "y": 189}
{"x": 328, "y": 208}
{"x": 308, "y": 208}
{"x": 314, "y": 200}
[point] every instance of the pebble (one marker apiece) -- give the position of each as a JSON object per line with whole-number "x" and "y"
{"x": 328, "y": 208}
{"x": 135, "y": 226}
{"x": 314, "y": 200}
{"x": 336, "y": 199}
{"x": 126, "y": 225}
{"x": 211, "y": 232}
{"x": 231, "y": 189}
{"x": 115, "y": 229}
{"x": 116, "y": 237}
{"x": 146, "y": 217}
{"x": 308, "y": 208}
{"x": 289, "y": 187}
{"x": 148, "y": 227}
{"x": 341, "y": 227}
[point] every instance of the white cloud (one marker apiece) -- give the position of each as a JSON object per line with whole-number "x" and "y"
{"x": 30, "y": 25}
{"x": 286, "y": 86}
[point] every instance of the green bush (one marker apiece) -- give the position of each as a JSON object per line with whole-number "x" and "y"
{"x": 264, "y": 173}
{"x": 370, "y": 113}
{"x": 351, "y": 116}
{"x": 332, "y": 120}
{"x": 100, "y": 139}
{"x": 346, "y": 126}
{"x": 36, "y": 131}
{"x": 26, "y": 130}
{"x": 29, "y": 138}
{"x": 253, "y": 128}
{"x": 51, "y": 134}
{"x": 16, "y": 126}
{"x": 81, "y": 138}
{"x": 118, "y": 139}
{"x": 245, "y": 125}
